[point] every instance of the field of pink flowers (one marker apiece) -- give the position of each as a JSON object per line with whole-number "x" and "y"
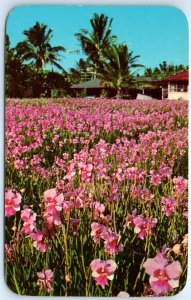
{"x": 96, "y": 197}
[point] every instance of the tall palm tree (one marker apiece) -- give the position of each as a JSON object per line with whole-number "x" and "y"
{"x": 94, "y": 42}
{"x": 36, "y": 48}
{"x": 82, "y": 71}
{"x": 115, "y": 70}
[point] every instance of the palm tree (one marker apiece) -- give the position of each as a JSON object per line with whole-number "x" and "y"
{"x": 116, "y": 65}
{"x": 180, "y": 68}
{"x": 82, "y": 71}
{"x": 94, "y": 42}
{"x": 36, "y": 48}
{"x": 164, "y": 69}
{"x": 149, "y": 72}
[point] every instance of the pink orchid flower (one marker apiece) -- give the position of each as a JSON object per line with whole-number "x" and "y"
{"x": 52, "y": 218}
{"x": 111, "y": 244}
{"x": 103, "y": 270}
{"x": 144, "y": 226}
{"x": 156, "y": 179}
{"x": 53, "y": 201}
{"x": 180, "y": 184}
{"x": 164, "y": 276}
{"x": 98, "y": 208}
{"x": 12, "y": 201}
{"x": 38, "y": 241}
{"x": 68, "y": 206}
{"x": 98, "y": 231}
{"x": 45, "y": 280}
{"x": 29, "y": 218}
{"x": 86, "y": 172}
{"x": 168, "y": 206}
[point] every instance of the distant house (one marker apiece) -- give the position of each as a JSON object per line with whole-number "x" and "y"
{"x": 175, "y": 87}
{"x": 145, "y": 88}
{"x": 93, "y": 87}
{"x": 144, "y": 83}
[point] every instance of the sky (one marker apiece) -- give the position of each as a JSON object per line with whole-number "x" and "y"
{"x": 156, "y": 33}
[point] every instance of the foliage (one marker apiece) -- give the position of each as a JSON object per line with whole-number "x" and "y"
{"x": 115, "y": 68}
{"x": 111, "y": 62}
{"x": 163, "y": 70}
{"x": 82, "y": 72}
{"x": 36, "y": 48}
{"x": 94, "y": 42}
{"x": 17, "y": 75}
{"x": 26, "y": 65}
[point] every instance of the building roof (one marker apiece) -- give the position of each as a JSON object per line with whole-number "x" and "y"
{"x": 145, "y": 82}
{"x": 90, "y": 84}
{"x": 183, "y": 76}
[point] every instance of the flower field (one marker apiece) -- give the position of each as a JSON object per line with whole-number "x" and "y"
{"x": 96, "y": 197}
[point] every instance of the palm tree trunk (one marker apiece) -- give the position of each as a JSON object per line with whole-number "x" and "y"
{"x": 119, "y": 92}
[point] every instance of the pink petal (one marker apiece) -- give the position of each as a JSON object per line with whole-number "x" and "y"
{"x": 160, "y": 287}
{"x": 174, "y": 270}
{"x": 50, "y": 194}
{"x": 102, "y": 280}
{"x": 9, "y": 194}
{"x": 95, "y": 264}
{"x": 160, "y": 259}
{"x": 151, "y": 266}
{"x": 110, "y": 266}
{"x": 41, "y": 275}
{"x": 9, "y": 211}
{"x": 49, "y": 274}
{"x": 17, "y": 200}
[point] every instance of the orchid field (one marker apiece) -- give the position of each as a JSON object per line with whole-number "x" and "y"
{"x": 96, "y": 197}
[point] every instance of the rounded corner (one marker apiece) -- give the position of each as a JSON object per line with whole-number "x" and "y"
{"x": 10, "y": 290}
{"x": 182, "y": 12}
{"x": 12, "y": 10}
{"x": 182, "y": 291}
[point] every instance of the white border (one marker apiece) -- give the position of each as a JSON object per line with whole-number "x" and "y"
{"x": 5, "y": 7}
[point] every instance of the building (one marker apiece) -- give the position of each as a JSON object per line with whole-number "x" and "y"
{"x": 92, "y": 87}
{"x": 145, "y": 87}
{"x": 175, "y": 87}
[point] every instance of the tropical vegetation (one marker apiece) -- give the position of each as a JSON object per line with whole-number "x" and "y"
{"x": 29, "y": 63}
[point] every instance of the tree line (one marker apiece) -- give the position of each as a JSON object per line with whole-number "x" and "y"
{"x": 112, "y": 62}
